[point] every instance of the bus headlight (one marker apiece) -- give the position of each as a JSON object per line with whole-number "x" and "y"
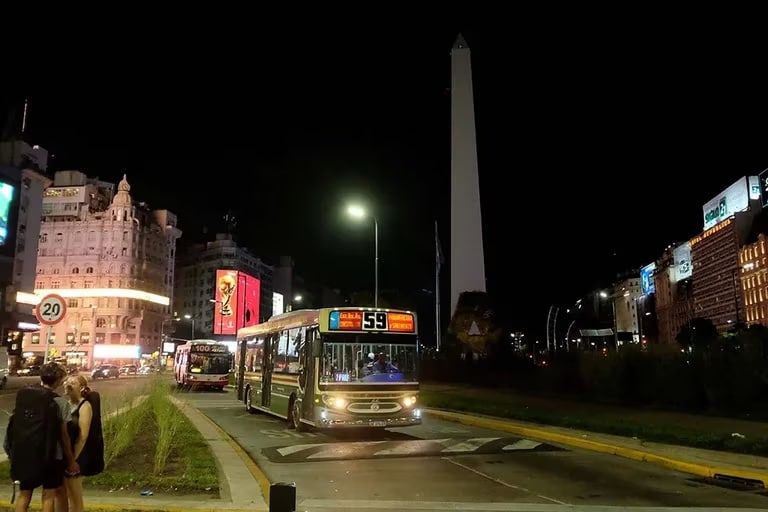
{"x": 409, "y": 401}
{"x": 335, "y": 402}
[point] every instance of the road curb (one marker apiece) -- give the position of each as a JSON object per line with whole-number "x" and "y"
{"x": 253, "y": 468}
{"x": 599, "y": 446}
{"x": 6, "y": 506}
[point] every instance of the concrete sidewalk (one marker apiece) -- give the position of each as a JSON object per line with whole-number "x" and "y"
{"x": 747, "y": 469}
{"x": 242, "y": 486}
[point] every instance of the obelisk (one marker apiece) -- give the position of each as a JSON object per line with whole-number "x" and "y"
{"x": 467, "y": 255}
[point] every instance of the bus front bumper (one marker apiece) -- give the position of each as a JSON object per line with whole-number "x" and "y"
{"x": 328, "y": 418}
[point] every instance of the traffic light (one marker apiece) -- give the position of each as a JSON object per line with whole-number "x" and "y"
{"x": 12, "y": 341}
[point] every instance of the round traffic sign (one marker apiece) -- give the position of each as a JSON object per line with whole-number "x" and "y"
{"x": 51, "y": 309}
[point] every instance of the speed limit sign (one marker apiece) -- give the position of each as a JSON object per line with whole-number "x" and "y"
{"x": 51, "y": 309}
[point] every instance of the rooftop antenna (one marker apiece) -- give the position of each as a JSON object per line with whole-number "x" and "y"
{"x": 24, "y": 117}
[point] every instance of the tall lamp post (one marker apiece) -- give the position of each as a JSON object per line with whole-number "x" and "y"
{"x": 605, "y": 295}
{"x": 191, "y": 318}
{"x": 358, "y": 212}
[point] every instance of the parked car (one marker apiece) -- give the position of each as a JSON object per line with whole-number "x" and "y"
{"x": 105, "y": 371}
{"x": 129, "y": 369}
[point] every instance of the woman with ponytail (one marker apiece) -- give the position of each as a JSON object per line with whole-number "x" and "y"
{"x": 88, "y": 442}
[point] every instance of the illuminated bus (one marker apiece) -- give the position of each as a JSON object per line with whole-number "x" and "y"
{"x": 202, "y": 363}
{"x": 332, "y": 368}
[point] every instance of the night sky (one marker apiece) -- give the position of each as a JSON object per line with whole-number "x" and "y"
{"x": 597, "y": 147}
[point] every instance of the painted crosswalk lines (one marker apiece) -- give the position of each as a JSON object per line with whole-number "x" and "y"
{"x": 401, "y": 448}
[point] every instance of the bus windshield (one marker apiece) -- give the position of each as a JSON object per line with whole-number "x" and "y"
{"x": 207, "y": 364}
{"x": 369, "y": 358}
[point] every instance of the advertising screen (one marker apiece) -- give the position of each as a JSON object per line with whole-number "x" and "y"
{"x": 683, "y": 265}
{"x": 116, "y": 351}
{"x": 278, "y": 303}
{"x": 763, "y": 181}
{"x": 249, "y": 298}
{"x": 732, "y": 200}
{"x": 646, "y": 279}
{"x": 381, "y": 321}
{"x": 6, "y": 198}
{"x": 237, "y": 301}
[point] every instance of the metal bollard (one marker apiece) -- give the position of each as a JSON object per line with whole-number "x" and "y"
{"x": 282, "y": 497}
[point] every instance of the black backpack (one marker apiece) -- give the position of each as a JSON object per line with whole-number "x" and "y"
{"x": 35, "y": 432}
{"x": 91, "y": 460}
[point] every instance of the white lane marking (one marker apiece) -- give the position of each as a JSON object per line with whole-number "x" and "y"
{"x": 412, "y": 447}
{"x": 290, "y": 450}
{"x": 523, "y": 444}
{"x": 470, "y": 445}
{"x": 341, "y": 450}
{"x": 502, "y": 482}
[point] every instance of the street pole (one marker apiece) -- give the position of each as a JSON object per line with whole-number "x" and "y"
{"x": 48, "y": 344}
{"x": 437, "y": 288}
{"x": 615, "y": 324}
{"x": 376, "y": 271}
{"x": 567, "y": 334}
{"x": 549, "y": 314}
{"x": 554, "y": 330}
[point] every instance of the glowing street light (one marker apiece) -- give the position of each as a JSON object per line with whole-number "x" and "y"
{"x": 189, "y": 317}
{"x": 358, "y": 212}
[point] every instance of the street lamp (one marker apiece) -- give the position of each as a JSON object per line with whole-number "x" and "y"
{"x": 189, "y": 317}
{"x": 358, "y": 212}
{"x": 604, "y": 295}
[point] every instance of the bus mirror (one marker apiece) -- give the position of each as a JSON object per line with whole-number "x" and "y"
{"x": 316, "y": 350}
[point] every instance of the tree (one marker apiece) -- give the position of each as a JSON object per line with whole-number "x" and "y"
{"x": 473, "y": 326}
{"x": 699, "y": 333}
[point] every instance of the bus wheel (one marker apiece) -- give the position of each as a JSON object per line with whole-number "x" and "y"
{"x": 296, "y": 415}
{"x": 248, "y": 402}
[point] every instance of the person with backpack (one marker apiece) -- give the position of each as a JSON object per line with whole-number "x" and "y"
{"x": 86, "y": 436}
{"x": 37, "y": 440}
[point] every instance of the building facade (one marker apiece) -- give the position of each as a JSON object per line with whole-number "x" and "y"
{"x": 754, "y": 281}
{"x": 197, "y": 288}
{"x": 674, "y": 291}
{"x": 625, "y": 296}
{"x": 716, "y": 288}
{"x": 112, "y": 261}
{"x": 22, "y": 182}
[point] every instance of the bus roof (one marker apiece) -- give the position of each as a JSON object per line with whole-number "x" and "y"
{"x": 198, "y": 342}
{"x": 307, "y": 317}
{"x": 289, "y": 320}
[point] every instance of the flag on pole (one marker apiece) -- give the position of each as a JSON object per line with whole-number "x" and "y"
{"x": 438, "y": 250}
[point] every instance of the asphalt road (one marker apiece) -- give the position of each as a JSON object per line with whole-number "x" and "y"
{"x": 446, "y": 466}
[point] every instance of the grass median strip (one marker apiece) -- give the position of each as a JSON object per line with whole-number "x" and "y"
{"x": 695, "y": 432}
{"x": 152, "y": 446}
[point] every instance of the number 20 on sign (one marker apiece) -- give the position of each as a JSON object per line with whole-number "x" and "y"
{"x": 51, "y": 309}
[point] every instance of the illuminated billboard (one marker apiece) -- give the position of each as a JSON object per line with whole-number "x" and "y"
{"x": 116, "y": 351}
{"x": 763, "y": 181}
{"x": 380, "y": 321}
{"x": 683, "y": 265}
{"x": 728, "y": 202}
{"x": 646, "y": 279}
{"x": 6, "y": 198}
{"x": 278, "y": 303}
{"x": 237, "y": 301}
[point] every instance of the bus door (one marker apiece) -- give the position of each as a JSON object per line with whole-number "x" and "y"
{"x": 267, "y": 367}
{"x": 308, "y": 371}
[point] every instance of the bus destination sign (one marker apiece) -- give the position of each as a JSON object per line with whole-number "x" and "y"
{"x": 210, "y": 349}
{"x": 387, "y": 321}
